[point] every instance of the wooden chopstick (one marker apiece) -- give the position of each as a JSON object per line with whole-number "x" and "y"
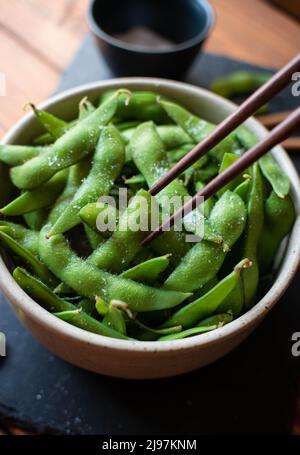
{"x": 270, "y": 120}
{"x": 276, "y": 136}
{"x": 247, "y": 108}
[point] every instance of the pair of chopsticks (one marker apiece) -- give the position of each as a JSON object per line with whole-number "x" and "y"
{"x": 281, "y": 132}
{"x": 271, "y": 120}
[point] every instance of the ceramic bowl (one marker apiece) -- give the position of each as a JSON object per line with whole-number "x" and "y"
{"x": 134, "y": 359}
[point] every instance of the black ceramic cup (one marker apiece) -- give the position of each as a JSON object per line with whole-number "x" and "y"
{"x": 150, "y": 37}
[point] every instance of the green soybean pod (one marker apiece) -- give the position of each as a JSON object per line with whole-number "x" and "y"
{"x": 204, "y": 259}
{"x": 138, "y": 179}
{"x": 275, "y": 175}
{"x": 72, "y": 147}
{"x": 207, "y": 172}
{"x": 206, "y": 305}
{"x": 52, "y": 124}
{"x": 217, "y": 319}
{"x": 27, "y": 238}
{"x": 173, "y": 243}
{"x": 85, "y": 108}
{"x": 206, "y": 287}
{"x": 142, "y": 105}
{"x": 278, "y": 221}
{"x": 268, "y": 165}
{"x": 243, "y": 189}
{"x": 43, "y": 139}
{"x": 77, "y": 174}
{"x": 239, "y": 83}
{"x": 235, "y": 301}
{"x": 89, "y": 281}
{"x": 38, "y": 198}
{"x": 228, "y": 160}
{"x": 148, "y": 271}
{"x": 175, "y": 154}
{"x": 48, "y": 300}
{"x": 27, "y": 258}
{"x": 188, "y": 333}
{"x": 114, "y": 319}
{"x": 35, "y": 220}
{"x": 15, "y": 155}
{"x": 198, "y": 129}
{"x": 57, "y": 127}
{"x": 107, "y": 164}
{"x": 172, "y": 136}
{"x": 151, "y": 159}
{"x": 197, "y": 223}
{"x": 255, "y": 219}
{"x": 120, "y": 249}
{"x": 143, "y": 332}
{"x": 94, "y": 238}
{"x": 127, "y": 127}
{"x": 106, "y": 214}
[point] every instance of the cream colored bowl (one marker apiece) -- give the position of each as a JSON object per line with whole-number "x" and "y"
{"x": 134, "y": 359}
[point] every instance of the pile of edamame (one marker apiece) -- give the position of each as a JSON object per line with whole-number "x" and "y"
{"x": 106, "y": 282}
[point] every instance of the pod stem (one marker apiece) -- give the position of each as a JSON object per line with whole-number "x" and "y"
{"x": 244, "y": 264}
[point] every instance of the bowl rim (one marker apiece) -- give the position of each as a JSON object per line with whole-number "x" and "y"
{"x": 22, "y": 303}
{"x": 197, "y": 39}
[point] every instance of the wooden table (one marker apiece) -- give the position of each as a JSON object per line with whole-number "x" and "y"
{"x": 39, "y": 37}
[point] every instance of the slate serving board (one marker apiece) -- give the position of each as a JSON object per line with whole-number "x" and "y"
{"x": 251, "y": 390}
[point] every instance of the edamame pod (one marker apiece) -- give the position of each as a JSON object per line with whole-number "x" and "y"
{"x": 38, "y": 198}
{"x": 94, "y": 238}
{"x": 105, "y": 213}
{"x": 151, "y": 160}
{"x": 28, "y": 258}
{"x": 54, "y": 125}
{"x": 198, "y": 129}
{"x": 107, "y": 164}
{"x": 204, "y": 259}
{"x": 188, "y": 333}
{"x": 217, "y": 319}
{"x": 57, "y": 126}
{"x": 235, "y": 301}
{"x": 172, "y": 136}
{"x": 72, "y": 147}
{"x": 148, "y": 271}
{"x": 35, "y": 220}
{"x": 239, "y": 83}
{"x": 269, "y": 167}
{"x": 89, "y": 281}
{"x": 120, "y": 249}
{"x": 15, "y": 155}
{"x": 227, "y": 161}
{"x": 209, "y": 303}
{"x": 255, "y": 219}
{"x": 243, "y": 189}
{"x": 175, "y": 154}
{"x": 42, "y": 294}
{"x": 142, "y": 105}
{"x": 278, "y": 221}
{"x": 114, "y": 319}
{"x": 77, "y": 174}
{"x": 27, "y": 238}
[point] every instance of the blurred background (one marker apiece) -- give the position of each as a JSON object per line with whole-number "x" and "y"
{"x": 39, "y": 38}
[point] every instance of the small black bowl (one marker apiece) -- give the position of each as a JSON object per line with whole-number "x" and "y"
{"x": 180, "y": 26}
